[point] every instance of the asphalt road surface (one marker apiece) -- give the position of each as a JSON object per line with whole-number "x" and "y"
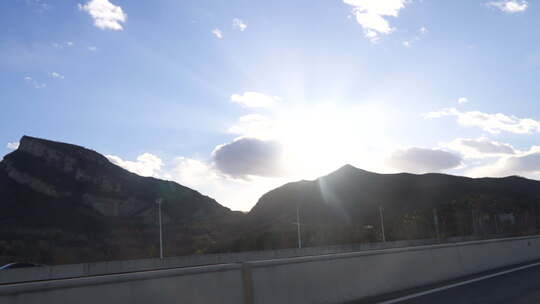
{"x": 519, "y": 287}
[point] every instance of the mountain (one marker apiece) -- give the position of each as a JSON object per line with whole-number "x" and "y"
{"x": 55, "y": 191}
{"x": 62, "y": 203}
{"x": 351, "y": 198}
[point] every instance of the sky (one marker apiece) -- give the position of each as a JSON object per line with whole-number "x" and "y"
{"x": 234, "y": 98}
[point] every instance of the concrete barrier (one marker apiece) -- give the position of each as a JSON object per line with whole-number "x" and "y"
{"x": 206, "y": 284}
{"x": 112, "y": 267}
{"x": 328, "y": 278}
{"x": 345, "y": 277}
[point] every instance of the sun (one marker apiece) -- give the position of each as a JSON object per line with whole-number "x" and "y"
{"x": 318, "y": 139}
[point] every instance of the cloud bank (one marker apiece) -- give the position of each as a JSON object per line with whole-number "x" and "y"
{"x": 480, "y": 147}
{"x": 420, "y": 160}
{"x": 492, "y": 123}
{"x": 249, "y": 156}
{"x": 525, "y": 164}
{"x": 146, "y": 164}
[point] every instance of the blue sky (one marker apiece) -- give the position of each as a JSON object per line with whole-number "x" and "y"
{"x": 234, "y": 98}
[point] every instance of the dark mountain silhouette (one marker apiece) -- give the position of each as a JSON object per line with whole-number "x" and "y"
{"x": 62, "y": 203}
{"x": 351, "y": 198}
{"x": 56, "y": 191}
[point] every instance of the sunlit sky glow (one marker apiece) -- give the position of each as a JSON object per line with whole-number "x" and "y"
{"x": 234, "y": 98}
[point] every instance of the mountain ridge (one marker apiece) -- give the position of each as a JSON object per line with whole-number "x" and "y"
{"x": 52, "y": 191}
{"x": 73, "y": 162}
{"x": 349, "y": 189}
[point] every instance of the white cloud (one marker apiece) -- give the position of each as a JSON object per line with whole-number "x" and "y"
{"x": 492, "y": 123}
{"x": 254, "y": 100}
{"x": 510, "y": 6}
{"x": 35, "y": 84}
{"x": 56, "y": 75}
{"x": 237, "y": 194}
{"x": 217, "y": 33}
{"x": 275, "y": 148}
{"x": 370, "y": 15}
{"x": 421, "y": 32}
{"x": 12, "y": 145}
{"x": 480, "y": 147}
{"x": 62, "y": 45}
{"x": 146, "y": 164}
{"x": 420, "y": 160}
{"x": 92, "y": 48}
{"x": 105, "y": 14}
{"x": 462, "y": 100}
{"x": 192, "y": 173}
{"x": 203, "y": 176}
{"x": 249, "y": 156}
{"x": 255, "y": 125}
{"x": 525, "y": 164}
{"x": 239, "y": 24}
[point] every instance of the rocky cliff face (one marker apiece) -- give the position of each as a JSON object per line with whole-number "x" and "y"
{"x": 84, "y": 177}
{"x": 56, "y": 193}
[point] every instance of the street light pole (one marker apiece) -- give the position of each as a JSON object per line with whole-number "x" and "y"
{"x": 298, "y": 226}
{"x": 436, "y": 222}
{"x": 382, "y": 223}
{"x": 158, "y": 201}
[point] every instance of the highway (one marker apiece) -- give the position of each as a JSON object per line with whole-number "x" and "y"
{"x": 515, "y": 287}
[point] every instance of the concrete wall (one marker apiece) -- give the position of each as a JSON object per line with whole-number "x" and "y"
{"x": 198, "y": 285}
{"x": 330, "y": 278}
{"x": 111, "y": 267}
{"x": 344, "y": 277}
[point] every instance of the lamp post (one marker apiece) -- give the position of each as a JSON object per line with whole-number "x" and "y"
{"x": 299, "y": 234}
{"x": 158, "y": 202}
{"x": 382, "y": 223}
{"x": 436, "y": 222}
{"x": 298, "y": 225}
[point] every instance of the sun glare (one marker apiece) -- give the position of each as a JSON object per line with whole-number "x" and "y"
{"x": 319, "y": 139}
